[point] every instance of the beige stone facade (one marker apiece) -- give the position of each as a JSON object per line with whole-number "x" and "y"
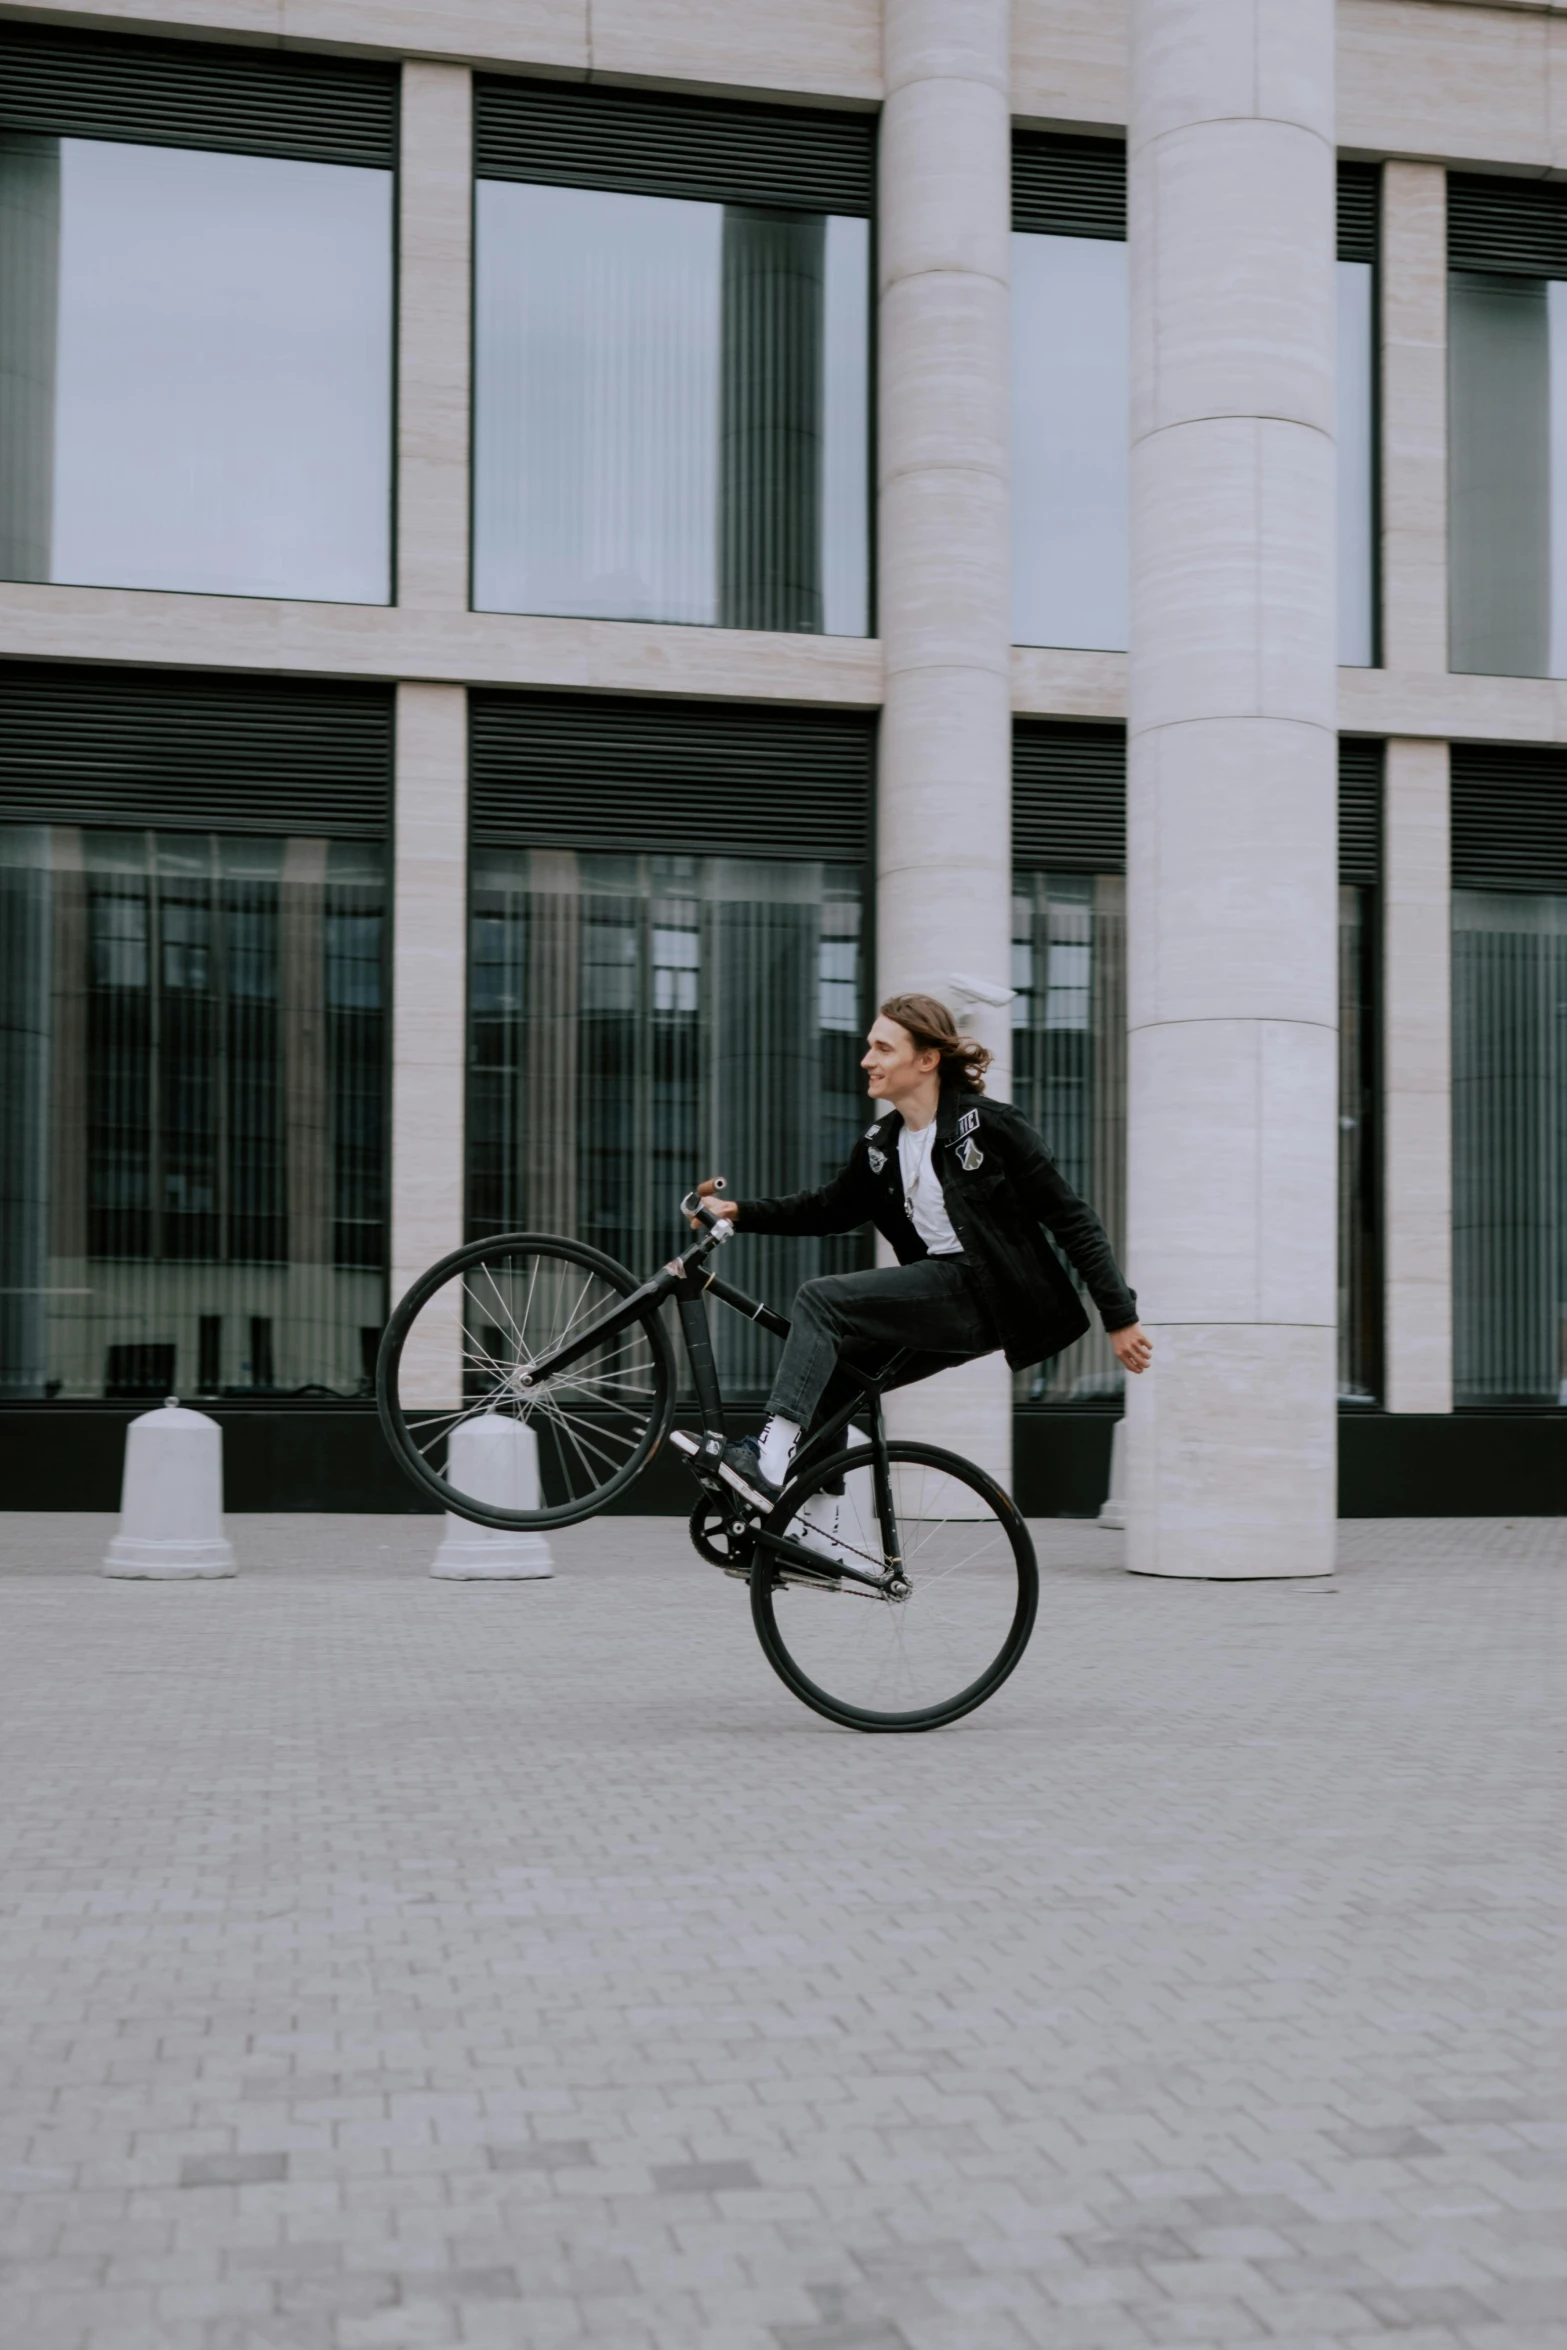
{"x": 1415, "y": 84}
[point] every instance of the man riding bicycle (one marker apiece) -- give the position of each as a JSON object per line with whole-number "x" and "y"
{"x": 960, "y": 1185}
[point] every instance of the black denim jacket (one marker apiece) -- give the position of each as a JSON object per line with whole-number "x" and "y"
{"x": 1000, "y": 1186}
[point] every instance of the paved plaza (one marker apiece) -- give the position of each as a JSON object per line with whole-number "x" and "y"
{"x": 390, "y": 1962}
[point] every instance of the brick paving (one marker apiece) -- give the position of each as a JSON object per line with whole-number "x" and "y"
{"x": 396, "y": 1963}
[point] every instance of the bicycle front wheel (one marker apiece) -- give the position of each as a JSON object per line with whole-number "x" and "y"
{"x": 470, "y": 1423}
{"x": 909, "y": 1659}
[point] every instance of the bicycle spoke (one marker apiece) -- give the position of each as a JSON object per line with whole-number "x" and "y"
{"x": 596, "y": 1418}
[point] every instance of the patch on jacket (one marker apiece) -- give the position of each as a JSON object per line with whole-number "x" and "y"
{"x": 969, "y": 1122}
{"x": 878, "y": 1160}
{"x": 970, "y": 1157}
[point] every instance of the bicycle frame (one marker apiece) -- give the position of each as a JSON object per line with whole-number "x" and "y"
{"x": 685, "y": 1280}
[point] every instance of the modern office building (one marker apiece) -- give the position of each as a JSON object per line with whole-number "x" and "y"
{"x": 552, "y": 550}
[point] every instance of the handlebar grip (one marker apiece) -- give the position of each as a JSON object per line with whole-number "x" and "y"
{"x": 694, "y": 1205}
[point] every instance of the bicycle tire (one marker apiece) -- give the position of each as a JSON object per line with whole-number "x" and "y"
{"x": 992, "y": 1627}
{"x": 413, "y": 1430}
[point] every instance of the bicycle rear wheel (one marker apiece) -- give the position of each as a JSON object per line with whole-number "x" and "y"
{"x": 480, "y": 1439}
{"x": 880, "y": 1660}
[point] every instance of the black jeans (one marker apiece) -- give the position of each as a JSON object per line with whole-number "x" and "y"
{"x": 931, "y": 1307}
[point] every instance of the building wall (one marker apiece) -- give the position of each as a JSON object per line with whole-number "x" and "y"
{"x": 1421, "y": 84}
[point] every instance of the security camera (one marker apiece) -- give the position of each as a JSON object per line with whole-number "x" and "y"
{"x": 981, "y": 991}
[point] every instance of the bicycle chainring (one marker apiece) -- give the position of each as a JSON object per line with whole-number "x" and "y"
{"x": 723, "y": 1535}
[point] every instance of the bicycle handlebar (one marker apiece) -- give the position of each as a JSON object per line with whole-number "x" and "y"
{"x": 695, "y": 1208}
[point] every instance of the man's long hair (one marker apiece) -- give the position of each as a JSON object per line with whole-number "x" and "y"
{"x": 928, "y": 1021}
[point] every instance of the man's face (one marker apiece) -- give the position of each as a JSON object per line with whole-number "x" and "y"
{"x": 892, "y": 1062}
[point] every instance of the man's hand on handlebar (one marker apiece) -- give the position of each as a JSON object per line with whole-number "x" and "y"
{"x": 708, "y": 1190}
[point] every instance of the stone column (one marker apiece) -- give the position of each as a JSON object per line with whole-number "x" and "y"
{"x": 430, "y": 883}
{"x": 435, "y": 189}
{"x": 1232, "y": 881}
{"x": 1417, "y": 1096}
{"x": 429, "y": 1003}
{"x": 944, "y": 811}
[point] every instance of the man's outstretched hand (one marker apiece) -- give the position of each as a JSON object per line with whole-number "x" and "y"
{"x": 726, "y": 1207}
{"x": 1133, "y": 1347}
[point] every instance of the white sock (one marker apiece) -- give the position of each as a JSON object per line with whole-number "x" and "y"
{"x": 779, "y": 1438}
{"x": 819, "y": 1513}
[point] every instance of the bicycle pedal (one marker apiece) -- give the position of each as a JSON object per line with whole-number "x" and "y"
{"x": 684, "y": 1442}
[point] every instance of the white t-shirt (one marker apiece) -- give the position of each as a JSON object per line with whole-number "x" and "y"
{"x": 922, "y": 1198}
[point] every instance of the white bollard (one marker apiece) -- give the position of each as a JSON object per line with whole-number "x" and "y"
{"x": 496, "y": 1459}
{"x": 171, "y": 1500}
{"x": 1112, "y": 1511}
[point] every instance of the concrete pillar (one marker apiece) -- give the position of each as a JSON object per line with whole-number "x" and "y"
{"x": 492, "y": 1458}
{"x": 430, "y": 916}
{"x": 435, "y": 190}
{"x": 1232, "y": 881}
{"x": 1413, "y": 279}
{"x": 1417, "y": 1098}
{"x": 429, "y": 1009}
{"x": 944, "y": 829}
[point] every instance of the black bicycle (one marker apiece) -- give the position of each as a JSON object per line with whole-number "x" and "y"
{"x": 893, "y": 1587}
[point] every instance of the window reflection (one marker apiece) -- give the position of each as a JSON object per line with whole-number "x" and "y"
{"x": 1070, "y": 424}
{"x": 1509, "y": 1147}
{"x": 1069, "y": 1074}
{"x": 192, "y": 1167}
{"x": 1355, "y": 427}
{"x": 200, "y": 347}
{"x": 1069, "y": 1080}
{"x": 1070, "y": 427}
{"x": 639, "y": 1021}
{"x": 1507, "y": 456}
{"x": 670, "y": 410}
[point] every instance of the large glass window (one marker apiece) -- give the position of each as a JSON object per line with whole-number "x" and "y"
{"x": 1509, "y": 1147}
{"x": 1069, "y": 446}
{"x": 1069, "y": 441}
{"x": 195, "y": 370}
{"x": 638, "y": 1022}
{"x": 671, "y": 410}
{"x": 1359, "y": 1274}
{"x": 192, "y": 1164}
{"x": 1069, "y": 1075}
{"x": 1069, "y": 1081}
{"x": 1507, "y": 448}
{"x": 1355, "y": 427}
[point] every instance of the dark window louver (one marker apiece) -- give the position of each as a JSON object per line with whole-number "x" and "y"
{"x": 1518, "y": 226}
{"x": 128, "y": 748}
{"x": 1069, "y": 801}
{"x": 1359, "y": 207}
{"x": 1360, "y": 812}
{"x": 181, "y": 94}
{"x": 1509, "y": 817}
{"x": 1068, "y": 797}
{"x": 1068, "y": 187}
{"x": 650, "y": 144}
{"x": 675, "y": 778}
